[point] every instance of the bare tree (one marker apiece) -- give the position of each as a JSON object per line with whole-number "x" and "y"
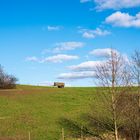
{"x": 113, "y": 74}
{"x": 136, "y": 81}
{"x": 136, "y": 70}
{"x": 7, "y": 81}
{"x": 129, "y": 113}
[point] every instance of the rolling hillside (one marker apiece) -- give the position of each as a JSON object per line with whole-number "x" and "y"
{"x": 38, "y": 110}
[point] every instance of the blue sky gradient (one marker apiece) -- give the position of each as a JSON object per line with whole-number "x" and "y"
{"x": 25, "y": 34}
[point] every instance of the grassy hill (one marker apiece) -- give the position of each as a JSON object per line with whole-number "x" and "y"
{"x": 38, "y": 110}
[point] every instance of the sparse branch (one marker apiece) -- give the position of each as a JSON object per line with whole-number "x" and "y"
{"x": 113, "y": 74}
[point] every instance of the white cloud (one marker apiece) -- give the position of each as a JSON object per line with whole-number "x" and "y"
{"x": 106, "y": 52}
{"x": 76, "y": 75}
{"x": 123, "y": 20}
{"x": 54, "y": 59}
{"x": 59, "y": 58}
{"x": 51, "y": 28}
{"x": 63, "y": 46}
{"x": 88, "y": 69}
{"x": 86, "y": 66}
{"x": 91, "y": 65}
{"x": 86, "y": 33}
{"x": 116, "y": 4}
{"x": 32, "y": 58}
{"x": 84, "y": 1}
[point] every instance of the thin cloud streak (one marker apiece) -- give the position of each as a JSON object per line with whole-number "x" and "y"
{"x": 76, "y": 75}
{"x": 67, "y": 46}
{"x": 91, "y": 34}
{"x": 53, "y": 59}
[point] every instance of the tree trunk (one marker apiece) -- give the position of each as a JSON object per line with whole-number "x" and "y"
{"x": 114, "y": 118}
{"x": 139, "y": 110}
{"x": 114, "y": 95}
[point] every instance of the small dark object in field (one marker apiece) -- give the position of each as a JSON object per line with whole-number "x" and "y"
{"x": 59, "y": 85}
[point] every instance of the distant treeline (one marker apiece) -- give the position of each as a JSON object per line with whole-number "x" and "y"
{"x": 7, "y": 81}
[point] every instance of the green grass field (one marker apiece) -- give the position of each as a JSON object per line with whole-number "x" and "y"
{"x": 38, "y": 109}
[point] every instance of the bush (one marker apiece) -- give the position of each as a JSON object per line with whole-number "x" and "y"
{"x": 7, "y": 81}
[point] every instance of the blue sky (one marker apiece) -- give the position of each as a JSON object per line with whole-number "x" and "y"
{"x": 42, "y": 41}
